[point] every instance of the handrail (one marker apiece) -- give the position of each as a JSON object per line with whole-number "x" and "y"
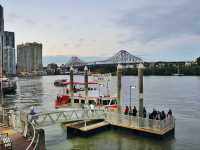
{"x": 38, "y": 137}
{"x": 159, "y": 124}
{"x": 33, "y": 139}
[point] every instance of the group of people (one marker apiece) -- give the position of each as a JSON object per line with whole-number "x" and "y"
{"x": 158, "y": 115}
{"x": 133, "y": 112}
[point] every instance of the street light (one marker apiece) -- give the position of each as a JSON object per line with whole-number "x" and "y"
{"x": 131, "y": 87}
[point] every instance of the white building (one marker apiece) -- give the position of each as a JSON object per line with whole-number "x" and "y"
{"x": 29, "y": 59}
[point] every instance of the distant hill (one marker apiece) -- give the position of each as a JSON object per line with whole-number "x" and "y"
{"x": 64, "y": 59}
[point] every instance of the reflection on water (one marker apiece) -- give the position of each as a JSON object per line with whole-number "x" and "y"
{"x": 179, "y": 93}
{"x": 120, "y": 141}
{"x": 113, "y": 140}
{"x": 28, "y": 90}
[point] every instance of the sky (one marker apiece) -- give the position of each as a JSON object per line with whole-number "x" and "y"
{"x": 151, "y": 29}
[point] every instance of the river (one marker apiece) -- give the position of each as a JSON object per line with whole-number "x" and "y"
{"x": 181, "y": 94}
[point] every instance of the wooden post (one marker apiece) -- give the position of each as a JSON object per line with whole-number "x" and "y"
{"x": 86, "y": 83}
{"x": 72, "y": 85}
{"x": 119, "y": 86}
{"x": 140, "y": 82}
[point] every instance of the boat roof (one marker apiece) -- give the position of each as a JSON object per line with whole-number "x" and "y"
{"x": 78, "y": 83}
{"x": 102, "y": 97}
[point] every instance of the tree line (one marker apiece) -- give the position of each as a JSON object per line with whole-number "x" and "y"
{"x": 157, "y": 68}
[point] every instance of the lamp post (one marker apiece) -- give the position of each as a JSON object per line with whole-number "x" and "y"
{"x": 100, "y": 85}
{"x": 131, "y": 87}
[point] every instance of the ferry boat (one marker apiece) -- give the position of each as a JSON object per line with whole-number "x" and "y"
{"x": 95, "y": 96}
{"x": 178, "y": 74}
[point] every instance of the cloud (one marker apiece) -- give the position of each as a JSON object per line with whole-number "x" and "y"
{"x": 14, "y": 18}
{"x": 63, "y": 18}
{"x": 66, "y": 44}
{"x": 162, "y": 20}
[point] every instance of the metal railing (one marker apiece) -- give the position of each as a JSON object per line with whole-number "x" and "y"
{"x": 37, "y": 142}
{"x": 139, "y": 122}
{"x": 34, "y": 144}
{"x": 47, "y": 118}
{"x": 33, "y": 134}
{"x": 85, "y": 115}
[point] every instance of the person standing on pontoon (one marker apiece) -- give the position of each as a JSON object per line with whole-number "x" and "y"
{"x": 32, "y": 113}
{"x": 92, "y": 107}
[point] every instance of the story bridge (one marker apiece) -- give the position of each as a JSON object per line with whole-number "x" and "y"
{"x": 122, "y": 57}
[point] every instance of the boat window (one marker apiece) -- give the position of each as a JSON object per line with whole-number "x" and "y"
{"x": 82, "y": 101}
{"x": 113, "y": 102}
{"x": 106, "y": 102}
{"x": 91, "y": 101}
{"x": 76, "y": 100}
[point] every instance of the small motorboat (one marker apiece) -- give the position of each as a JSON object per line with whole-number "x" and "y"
{"x": 60, "y": 82}
{"x": 8, "y": 86}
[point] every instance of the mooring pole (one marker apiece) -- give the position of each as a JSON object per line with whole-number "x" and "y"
{"x": 119, "y": 86}
{"x": 86, "y": 83}
{"x": 72, "y": 85}
{"x": 140, "y": 82}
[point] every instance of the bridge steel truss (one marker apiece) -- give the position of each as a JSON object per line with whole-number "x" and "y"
{"x": 122, "y": 57}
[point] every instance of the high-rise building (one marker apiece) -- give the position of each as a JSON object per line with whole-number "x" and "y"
{"x": 29, "y": 59}
{"x": 1, "y": 39}
{"x": 9, "y": 64}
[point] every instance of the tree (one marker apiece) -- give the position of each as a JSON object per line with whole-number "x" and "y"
{"x": 198, "y": 60}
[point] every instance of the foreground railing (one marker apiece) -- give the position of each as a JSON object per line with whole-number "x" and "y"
{"x": 38, "y": 138}
{"x": 32, "y": 131}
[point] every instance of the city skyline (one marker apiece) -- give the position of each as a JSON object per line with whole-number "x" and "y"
{"x": 153, "y": 30}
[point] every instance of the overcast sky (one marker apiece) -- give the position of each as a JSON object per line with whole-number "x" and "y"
{"x": 151, "y": 29}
